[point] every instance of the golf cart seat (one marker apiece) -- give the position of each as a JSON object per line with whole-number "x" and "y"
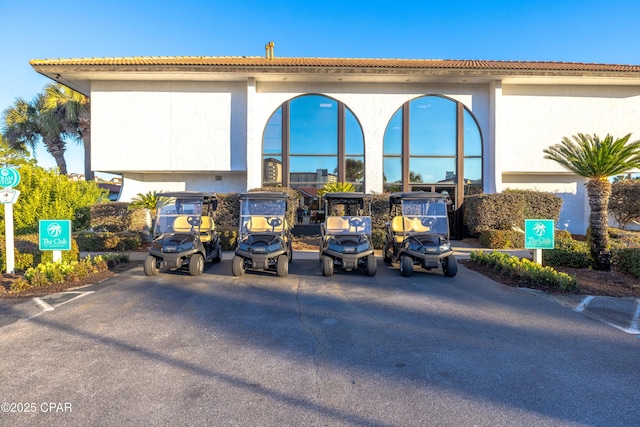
{"x": 336, "y": 224}
{"x": 397, "y": 228}
{"x": 181, "y": 225}
{"x": 415, "y": 225}
{"x": 259, "y": 224}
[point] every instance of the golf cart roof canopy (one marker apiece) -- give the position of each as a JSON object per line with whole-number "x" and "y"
{"x": 264, "y": 195}
{"x": 188, "y": 195}
{"x": 415, "y": 195}
{"x": 346, "y": 198}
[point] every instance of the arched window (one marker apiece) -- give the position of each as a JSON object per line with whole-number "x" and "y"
{"x": 432, "y": 142}
{"x": 311, "y": 140}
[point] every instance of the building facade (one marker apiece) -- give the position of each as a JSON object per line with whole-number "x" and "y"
{"x": 229, "y": 124}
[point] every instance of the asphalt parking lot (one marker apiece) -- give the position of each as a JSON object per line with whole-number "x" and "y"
{"x": 312, "y": 350}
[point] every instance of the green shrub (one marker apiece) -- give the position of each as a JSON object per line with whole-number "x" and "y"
{"x": 377, "y": 238}
{"x": 102, "y": 242}
{"x": 567, "y": 252}
{"x": 28, "y": 254}
{"x": 627, "y": 260}
{"x": 504, "y": 211}
{"x": 228, "y": 239}
{"x": 525, "y": 270}
{"x": 624, "y": 201}
{"x": 502, "y": 239}
{"x": 110, "y": 216}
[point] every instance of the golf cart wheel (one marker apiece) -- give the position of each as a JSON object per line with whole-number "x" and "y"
{"x": 406, "y": 266}
{"x": 371, "y": 266}
{"x": 450, "y": 266}
{"x": 282, "y": 265}
{"x": 327, "y": 266}
{"x": 385, "y": 256}
{"x": 196, "y": 265}
{"x": 237, "y": 266}
{"x": 150, "y": 266}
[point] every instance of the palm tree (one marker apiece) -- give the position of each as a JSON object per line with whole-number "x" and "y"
{"x": 25, "y": 124}
{"x": 597, "y": 160}
{"x": 73, "y": 110}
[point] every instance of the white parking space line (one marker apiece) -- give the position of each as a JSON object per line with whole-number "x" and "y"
{"x": 43, "y": 305}
{"x": 585, "y": 302}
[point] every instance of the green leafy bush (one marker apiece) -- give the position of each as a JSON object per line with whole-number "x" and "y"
{"x": 228, "y": 239}
{"x": 49, "y": 195}
{"x": 627, "y": 260}
{"x": 110, "y": 216}
{"x": 53, "y": 272}
{"x": 28, "y": 254}
{"x": 504, "y": 211}
{"x": 525, "y": 270}
{"x": 101, "y": 242}
{"x": 502, "y": 239}
{"x": 624, "y": 201}
{"x": 377, "y": 238}
{"x": 567, "y": 252}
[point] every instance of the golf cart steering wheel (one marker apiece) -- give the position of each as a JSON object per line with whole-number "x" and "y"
{"x": 193, "y": 220}
{"x": 274, "y": 222}
{"x": 428, "y": 221}
{"x": 356, "y": 222}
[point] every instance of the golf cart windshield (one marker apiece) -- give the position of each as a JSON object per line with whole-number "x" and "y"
{"x": 178, "y": 215}
{"x": 262, "y": 215}
{"x": 428, "y": 211}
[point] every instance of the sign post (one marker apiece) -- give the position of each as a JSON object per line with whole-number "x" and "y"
{"x": 9, "y": 178}
{"x": 55, "y": 235}
{"x": 538, "y": 234}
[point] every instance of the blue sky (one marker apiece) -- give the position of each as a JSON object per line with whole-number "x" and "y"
{"x": 535, "y": 30}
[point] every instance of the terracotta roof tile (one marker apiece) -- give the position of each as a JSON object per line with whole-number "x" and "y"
{"x": 373, "y": 63}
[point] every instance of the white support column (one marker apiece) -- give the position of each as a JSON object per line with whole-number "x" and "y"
{"x": 493, "y": 157}
{"x": 254, "y": 144}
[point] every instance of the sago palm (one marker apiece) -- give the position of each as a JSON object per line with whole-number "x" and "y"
{"x": 336, "y": 187}
{"x": 597, "y": 159}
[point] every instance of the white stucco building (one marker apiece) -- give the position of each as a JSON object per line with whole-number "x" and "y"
{"x": 211, "y": 123}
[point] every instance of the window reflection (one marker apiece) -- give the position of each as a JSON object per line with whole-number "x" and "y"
{"x": 432, "y": 129}
{"x": 313, "y": 140}
{"x": 432, "y": 144}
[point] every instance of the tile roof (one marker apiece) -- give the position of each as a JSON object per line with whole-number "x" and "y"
{"x": 362, "y": 63}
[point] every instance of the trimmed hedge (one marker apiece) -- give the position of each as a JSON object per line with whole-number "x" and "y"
{"x": 567, "y": 252}
{"x": 100, "y": 242}
{"x": 627, "y": 260}
{"x": 504, "y": 211}
{"x": 502, "y": 239}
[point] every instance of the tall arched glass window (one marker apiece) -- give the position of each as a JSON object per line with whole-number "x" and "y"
{"x": 312, "y": 140}
{"x": 432, "y": 140}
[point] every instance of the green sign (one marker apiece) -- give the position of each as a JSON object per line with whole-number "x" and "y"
{"x": 55, "y": 235}
{"x": 539, "y": 234}
{"x": 9, "y": 177}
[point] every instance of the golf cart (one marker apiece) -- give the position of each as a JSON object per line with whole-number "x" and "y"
{"x": 346, "y": 240}
{"x": 184, "y": 234}
{"x": 264, "y": 241}
{"x": 418, "y": 234}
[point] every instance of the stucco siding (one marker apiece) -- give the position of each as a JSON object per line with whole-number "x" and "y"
{"x": 535, "y": 117}
{"x": 164, "y": 126}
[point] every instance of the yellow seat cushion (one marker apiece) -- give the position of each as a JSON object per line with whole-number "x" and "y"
{"x": 415, "y": 225}
{"x": 336, "y": 224}
{"x": 259, "y": 224}
{"x": 397, "y": 228}
{"x": 181, "y": 225}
